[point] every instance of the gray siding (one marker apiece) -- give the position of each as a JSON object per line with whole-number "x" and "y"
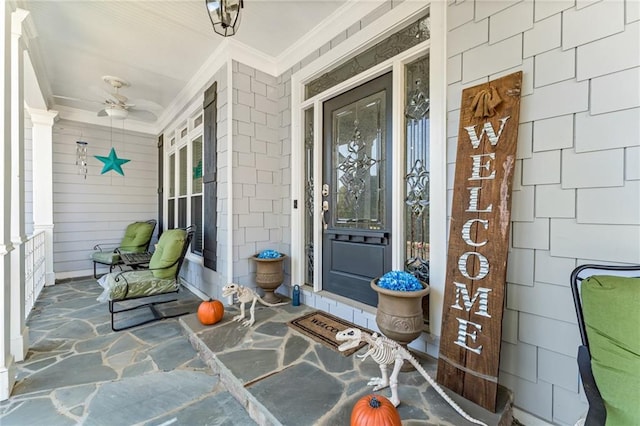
{"x": 578, "y": 156}
{"x": 257, "y": 169}
{"x": 98, "y": 209}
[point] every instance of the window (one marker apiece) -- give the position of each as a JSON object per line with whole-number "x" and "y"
{"x": 185, "y": 182}
{"x": 192, "y": 179}
{"x": 182, "y": 188}
{"x": 171, "y": 205}
{"x": 417, "y": 171}
{"x": 196, "y": 193}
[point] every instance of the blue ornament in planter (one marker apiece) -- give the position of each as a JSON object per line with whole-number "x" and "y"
{"x": 399, "y": 281}
{"x": 269, "y": 254}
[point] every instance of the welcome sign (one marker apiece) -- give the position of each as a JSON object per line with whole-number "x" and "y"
{"x": 479, "y": 240}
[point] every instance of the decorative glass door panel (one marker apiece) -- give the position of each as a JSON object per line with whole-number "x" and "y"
{"x": 417, "y": 200}
{"x": 358, "y": 154}
{"x": 356, "y": 201}
{"x": 308, "y": 195}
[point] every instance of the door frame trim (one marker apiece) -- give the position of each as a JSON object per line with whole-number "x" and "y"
{"x": 436, "y": 47}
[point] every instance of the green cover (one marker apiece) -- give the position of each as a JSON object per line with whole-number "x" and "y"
{"x": 136, "y": 240}
{"x": 137, "y": 236}
{"x": 168, "y": 250}
{"x": 106, "y": 257}
{"x": 140, "y": 283}
{"x": 611, "y": 309}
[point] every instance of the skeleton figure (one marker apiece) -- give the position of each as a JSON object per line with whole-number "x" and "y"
{"x": 385, "y": 352}
{"x": 246, "y": 295}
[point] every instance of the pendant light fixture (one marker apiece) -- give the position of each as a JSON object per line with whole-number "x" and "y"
{"x": 224, "y": 15}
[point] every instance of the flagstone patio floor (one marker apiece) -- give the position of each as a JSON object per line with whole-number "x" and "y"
{"x": 179, "y": 372}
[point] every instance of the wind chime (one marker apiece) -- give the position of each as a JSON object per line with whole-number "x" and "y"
{"x": 81, "y": 157}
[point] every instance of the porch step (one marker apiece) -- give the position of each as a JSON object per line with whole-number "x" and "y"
{"x": 284, "y": 378}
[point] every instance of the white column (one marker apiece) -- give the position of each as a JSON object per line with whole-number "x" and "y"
{"x": 19, "y": 331}
{"x": 42, "y": 136}
{"x": 7, "y": 366}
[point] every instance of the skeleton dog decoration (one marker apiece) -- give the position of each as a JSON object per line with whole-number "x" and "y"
{"x": 246, "y": 295}
{"x": 385, "y": 352}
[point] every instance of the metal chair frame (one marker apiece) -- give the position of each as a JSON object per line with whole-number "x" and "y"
{"x": 157, "y": 315}
{"x": 117, "y": 250}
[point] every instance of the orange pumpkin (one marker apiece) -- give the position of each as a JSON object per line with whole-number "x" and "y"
{"x": 375, "y": 410}
{"x": 210, "y": 312}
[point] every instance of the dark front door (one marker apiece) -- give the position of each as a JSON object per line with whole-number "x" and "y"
{"x": 356, "y": 191}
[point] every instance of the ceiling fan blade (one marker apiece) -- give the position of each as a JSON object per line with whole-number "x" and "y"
{"x": 120, "y": 98}
{"x": 69, "y": 98}
{"x": 142, "y": 115}
{"x": 103, "y": 94}
{"x": 144, "y": 104}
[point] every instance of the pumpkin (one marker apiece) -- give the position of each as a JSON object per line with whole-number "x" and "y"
{"x": 210, "y": 312}
{"x": 374, "y": 410}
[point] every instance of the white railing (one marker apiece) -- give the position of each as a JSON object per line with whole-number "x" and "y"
{"x": 34, "y": 270}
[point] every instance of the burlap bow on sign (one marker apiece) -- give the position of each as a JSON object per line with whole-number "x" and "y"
{"x": 485, "y": 102}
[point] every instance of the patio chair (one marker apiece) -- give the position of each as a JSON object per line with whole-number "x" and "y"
{"x": 161, "y": 277}
{"x": 136, "y": 239}
{"x": 607, "y": 302}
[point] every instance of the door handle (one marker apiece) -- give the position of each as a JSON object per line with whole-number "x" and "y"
{"x": 325, "y": 208}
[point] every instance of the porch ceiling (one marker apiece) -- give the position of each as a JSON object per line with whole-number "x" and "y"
{"x": 157, "y": 46}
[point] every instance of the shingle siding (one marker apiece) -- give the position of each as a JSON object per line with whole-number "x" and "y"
{"x": 575, "y": 193}
{"x": 617, "y": 129}
{"x": 596, "y": 21}
{"x": 610, "y": 54}
{"x": 491, "y": 58}
{"x": 511, "y": 21}
{"x": 256, "y": 169}
{"x": 617, "y": 91}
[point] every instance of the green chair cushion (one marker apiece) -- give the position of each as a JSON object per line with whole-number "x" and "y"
{"x": 137, "y": 236}
{"x": 168, "y": 250}
{"x": 140, "y": 283}
{"x": 136, "y": 240}
{"x": 611, "y": 309}
{"x": 106, "y": 257}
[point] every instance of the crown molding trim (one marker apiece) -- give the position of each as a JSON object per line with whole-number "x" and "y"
{"x": 378, "y": 30}
{"x": 229, "y": 50}
{"x": 339, "y": 21}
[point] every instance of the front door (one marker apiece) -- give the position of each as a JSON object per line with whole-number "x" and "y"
{"x": 356, "y": 190}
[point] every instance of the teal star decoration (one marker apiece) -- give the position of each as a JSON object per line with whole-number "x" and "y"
{"x": 112, "y": 162}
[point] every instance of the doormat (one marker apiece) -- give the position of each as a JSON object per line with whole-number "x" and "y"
{"x": 322, "y": 327}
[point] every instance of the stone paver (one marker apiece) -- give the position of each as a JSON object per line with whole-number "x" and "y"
{"x": 79, "y": 372}
{"x": 286, "y": 378}
{"x": 179, "y": 372}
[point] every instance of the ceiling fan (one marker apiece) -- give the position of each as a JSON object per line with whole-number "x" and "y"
{"x": 117, "y": 105}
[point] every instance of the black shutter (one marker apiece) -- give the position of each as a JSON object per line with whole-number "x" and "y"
{"x": 209, "y": 177}
{"x": 160, "y": 183}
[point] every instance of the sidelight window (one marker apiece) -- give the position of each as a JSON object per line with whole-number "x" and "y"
{"x": 417, "y": 169}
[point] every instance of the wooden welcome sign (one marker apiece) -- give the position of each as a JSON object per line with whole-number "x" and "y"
{"x": 479, "y": 240}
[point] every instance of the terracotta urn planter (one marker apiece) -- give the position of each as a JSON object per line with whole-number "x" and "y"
{"x": 269, "y": 276}
{"x": 399, "y": 315}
